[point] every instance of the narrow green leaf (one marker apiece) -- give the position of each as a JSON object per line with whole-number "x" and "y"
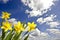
{"x": 9, "y": 36}
{"x": 26, "y": 37}
{"x": 16, "y": 36}
{"x": 3, "y": 34}
{"x": 0, "y": 37}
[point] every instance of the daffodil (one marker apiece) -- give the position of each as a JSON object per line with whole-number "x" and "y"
{"x": 6, "y": 26}
{"x": 5, "y": 15}
{"x": 31, "y": 26}
{"x": 18, "y": 27}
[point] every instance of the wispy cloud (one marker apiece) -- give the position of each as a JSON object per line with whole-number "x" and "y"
{"x": 38, "y": 35}
{"x": 13, "y": 21}
{"x": 39, "y": 7}
{"x": 4, "y": 1}
{"x": 50, "y": 18}
{"x": 53, "y": 24}
{"x": 55, "y": 33}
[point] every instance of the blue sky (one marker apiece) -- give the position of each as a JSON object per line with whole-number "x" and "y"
{"x": 48, "y": 21}
{"x": 17, "y": 10}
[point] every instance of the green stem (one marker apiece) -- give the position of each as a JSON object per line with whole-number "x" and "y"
{"x": 26, "y": 38}
{"x": 16, "y": 36}
{"x": 3, "y": 34}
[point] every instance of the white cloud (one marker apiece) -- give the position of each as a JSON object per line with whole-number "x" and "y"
{"x": 33, "y": 13}
{"x": 53, "y": 24}
{"x": 4, "y": 1}
{"x": 39, "y": 7}
{"x": 55, "y": 32}
{"x": 13, "y": 21}
{"x": 38, "y": 35}
{"x": 47, "y": 19}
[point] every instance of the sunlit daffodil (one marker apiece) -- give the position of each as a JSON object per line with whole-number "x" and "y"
{"x": 6, "y": 26}
{"x": 31, "y": 26}
{"x": 5, "y": 15}
{"x": 18, "y": 27}
{"x": 15, "y": 28}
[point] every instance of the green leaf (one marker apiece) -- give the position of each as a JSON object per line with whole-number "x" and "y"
{"x": 26, "y": 37}
{"x": 3, "y": 34}
{"x": 9, "y": 36}
{"x": 0, "y": 37}
{"x": 16, "y": 36}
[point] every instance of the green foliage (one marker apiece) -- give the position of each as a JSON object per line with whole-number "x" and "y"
{"x": 26, "y": 38}
{"x": 9, "y": 36}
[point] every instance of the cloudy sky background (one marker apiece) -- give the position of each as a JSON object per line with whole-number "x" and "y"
{"x": 45, "y": 13}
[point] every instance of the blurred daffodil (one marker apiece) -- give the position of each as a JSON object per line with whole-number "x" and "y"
{"x": 18, "y": 27}
{"x": 5, "y": 15}
{"x": 31, "y": 26}
{"x": 14, "y": 26}
{"x": 6, "y": 26}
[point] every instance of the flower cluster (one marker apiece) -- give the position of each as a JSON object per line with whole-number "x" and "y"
{"x": 13, "y": 32}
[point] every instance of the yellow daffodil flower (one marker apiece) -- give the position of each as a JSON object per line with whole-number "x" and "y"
{"x": 5, "y": 15}
{"x": 18, "y": 27}
{"x": 31, "y": 26}
{"x": 6, "y": 26}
